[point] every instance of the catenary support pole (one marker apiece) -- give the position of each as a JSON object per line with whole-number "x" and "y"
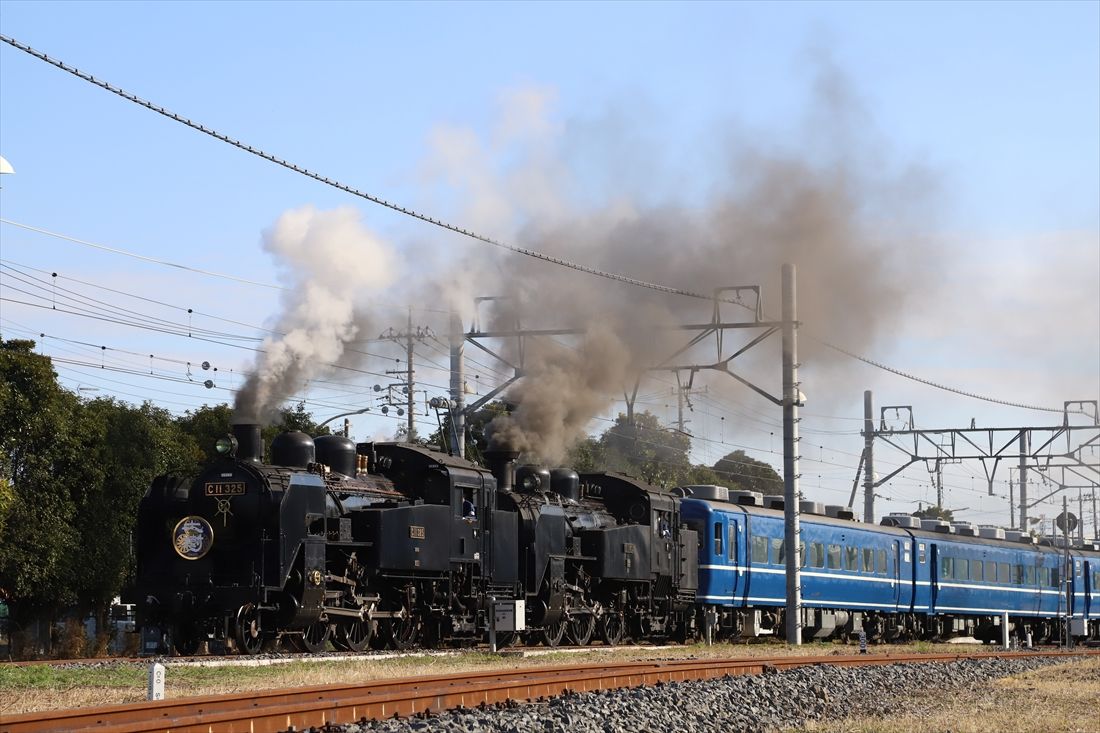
{"x": 791, "y": 400}
{"x": 458, "y": 383}
{"x": 1023, "y": 481}
{"x": 869, "y": 458}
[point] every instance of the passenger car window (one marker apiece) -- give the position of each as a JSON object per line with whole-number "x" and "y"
{"x": 851, "y": 558}
{"x": 778, "y": 556}
{"x": 868, "y": 560}
{"x": 759, "y": 550}
{"x": 1003, "y": 573}
{"x": 946, "y": 568}
{"x": 962, "y": 569}
{"x": 817, "y": 555}
{"x": 733, "y": 541}
{"x": 882, "y": 570}
{"x": 834, "y": 557}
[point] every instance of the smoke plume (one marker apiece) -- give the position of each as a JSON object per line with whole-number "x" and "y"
{"x": 329, "y": 261}
{"x": 838, "y": 209}
{"x": 730, "y": 210}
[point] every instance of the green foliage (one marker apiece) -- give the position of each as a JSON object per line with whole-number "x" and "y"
{"x": 586, "y": 456}
{"x": 36, "y": 447}
{"x": 741, "y": 471}
{"x": 296, "y": 419}
{"x": 645, "y": 449}
{"x": 935, "y": 512}
{"x": 203, "y": 427}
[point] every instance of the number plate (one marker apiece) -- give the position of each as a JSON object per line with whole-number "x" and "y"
{"x": 416, "y": 533}
{"x": 225, "y": 488}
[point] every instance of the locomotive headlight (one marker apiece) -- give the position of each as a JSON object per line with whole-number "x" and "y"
{"x": 226, "y": 446}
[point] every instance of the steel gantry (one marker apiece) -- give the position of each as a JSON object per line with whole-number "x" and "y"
{"x": 1069, "y": 452}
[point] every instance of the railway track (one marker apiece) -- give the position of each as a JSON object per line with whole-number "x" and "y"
{"x": 278, "y": 710}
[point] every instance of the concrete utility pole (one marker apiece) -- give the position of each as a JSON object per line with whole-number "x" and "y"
{"x": 791, "y": 401}
{"x": 1023, "y": 481}
{"x": 868, "y": 458}
{"x": 408, "y": 337}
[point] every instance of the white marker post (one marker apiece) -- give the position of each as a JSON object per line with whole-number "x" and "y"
{"x": 1004, "y": 631}
{"x": 156, "y": 681}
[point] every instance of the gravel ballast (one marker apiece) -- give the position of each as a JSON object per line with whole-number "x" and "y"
{"x": 753, "y": 704}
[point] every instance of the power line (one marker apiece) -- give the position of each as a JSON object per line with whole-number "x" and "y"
{"x": 113, "y": 250}
{"x": 342, "y": 186}
{"x": 930, "y": 383}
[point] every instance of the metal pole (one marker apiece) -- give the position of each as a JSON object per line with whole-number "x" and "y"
{"x": 680, "y": 407}
{"x": 1023, "y": 481}
{"x": 1011, "y": 505}
{"x": 410, "y": 403}
{"x": 939, "y": 485}
{"x": 458, "y": 383}
{"x": 869, "y": 463}
{"x": 1067, "y": 576}
{"x": 1080, "y": 516}
{"x": 790, "y": 457}
{"x": 1095, "y": 525}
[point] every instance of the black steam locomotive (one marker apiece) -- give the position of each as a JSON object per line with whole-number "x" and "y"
{"x": 390, "y": 545}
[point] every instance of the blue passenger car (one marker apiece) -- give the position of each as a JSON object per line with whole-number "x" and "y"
{"x": 892, "y": 580}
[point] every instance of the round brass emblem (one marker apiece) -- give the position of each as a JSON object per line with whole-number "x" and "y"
{"x": 192, "y": 537}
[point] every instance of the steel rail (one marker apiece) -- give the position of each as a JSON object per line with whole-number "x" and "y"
{"x": 268, "y": 711}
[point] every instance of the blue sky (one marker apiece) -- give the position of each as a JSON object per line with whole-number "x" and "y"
{"x": 995, "y": 108}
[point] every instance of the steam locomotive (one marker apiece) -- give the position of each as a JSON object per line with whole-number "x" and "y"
{"x": 393, "y": 545}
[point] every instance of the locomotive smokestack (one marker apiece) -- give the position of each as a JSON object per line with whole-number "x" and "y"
{"x": 250, "y": 446}
{"x": 502, "y": 464}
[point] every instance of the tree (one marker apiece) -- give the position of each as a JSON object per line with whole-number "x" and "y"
{"x": 202, "y": 428}
{"x": 40, "y": 544}
{"x": 121, "y": 448}
{"x": 647, "y": 450}
{"x": 935, "y": 512}
{"x": 743, "y": 472}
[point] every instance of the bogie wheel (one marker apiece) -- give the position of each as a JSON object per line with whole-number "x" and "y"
{"x": 315, "y": 637}
{"x": 185, "y": 639}
{"x": 399, "y": 633}
{"x": 580, "y": 628}
{"x": 247, "y": 632}
{"x": 355, "y": 636}
{"x": 611, "y": 629}
{"x": 553, "y": 634}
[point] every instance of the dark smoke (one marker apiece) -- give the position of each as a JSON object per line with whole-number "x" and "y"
{"x": 834, "y": 210}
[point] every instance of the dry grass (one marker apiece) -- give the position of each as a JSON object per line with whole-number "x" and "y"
{"x": 38, "y": 687}
{"x": 1064, "y": 698}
